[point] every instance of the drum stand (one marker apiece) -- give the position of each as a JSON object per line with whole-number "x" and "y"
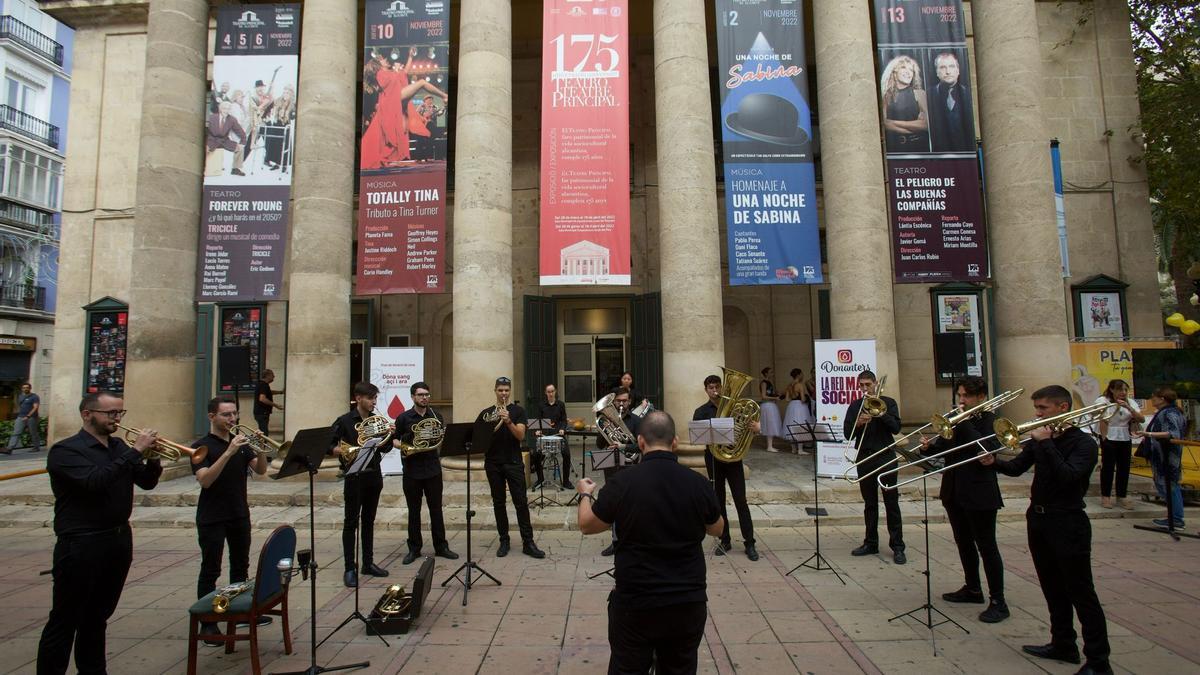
{"x": 542, "y": 500}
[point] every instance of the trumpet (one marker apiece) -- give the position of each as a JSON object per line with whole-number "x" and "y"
{"x": 221, "y": 599}
{"x": 259, "y": 442}
{"x": 163, "y": 449}
{"x": 874, "y": 406}
{"x": 1009, "y": 436}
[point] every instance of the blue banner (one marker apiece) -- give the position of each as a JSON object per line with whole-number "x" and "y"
{"x": 770, "y": 179}
{"x": 1060, "y": 209}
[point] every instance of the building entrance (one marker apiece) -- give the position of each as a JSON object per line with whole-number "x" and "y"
{"x": 593, "y": 350}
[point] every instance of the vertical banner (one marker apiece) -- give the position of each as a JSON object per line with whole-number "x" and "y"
{"x": 766, "y": 132}
{"x": 1060, "y": 208}
{"x": 932, "y": 176}
{"x": 394, "y": 370}
{"x": 402, "y": 160}
{"x": 838, "y": 364}
{"x": 584, "y": 231}
{"x": 249, "y": 129}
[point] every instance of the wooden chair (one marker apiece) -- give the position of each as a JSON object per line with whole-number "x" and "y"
{"x": 268, "y": 596}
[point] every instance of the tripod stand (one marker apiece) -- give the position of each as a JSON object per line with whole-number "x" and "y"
{"x": 456, "y": 443}
{"x": 816, "y": 561}
{"x": 306, "y": 453}
{"x": 928, "y": 607}
{"x": 545, "y": 455}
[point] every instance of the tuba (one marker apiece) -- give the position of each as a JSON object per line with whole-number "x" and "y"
{"x": 609, "y": 423}
{"x": 221, "y": 600}
{"x": 427, "y": 437}
{"x": 744, "y": 412}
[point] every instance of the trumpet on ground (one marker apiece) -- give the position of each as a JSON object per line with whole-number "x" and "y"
{"x": 168, "y": 451}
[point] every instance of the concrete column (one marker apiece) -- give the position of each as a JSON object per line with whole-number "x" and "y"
{"x": 318, "y": 362}
{"x": 160, "y": 370}
{"x": 483, "y": 302}
{"x": 1031, "y": 314}
{"x": 689, "y": 247}
{"x": 857, "y": 234}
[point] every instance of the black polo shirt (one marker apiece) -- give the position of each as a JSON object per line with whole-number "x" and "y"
{"x": 505, "y": 448}
{"x": 263, "y": 389}
{"x": 93, "y": 483}
{"x": 343, "y": 430}
{"x": 659, "y": 510}
{"x": 225, "y": 499}
{"x": 1063, "y": 468}
{"x": 422, "y": 465}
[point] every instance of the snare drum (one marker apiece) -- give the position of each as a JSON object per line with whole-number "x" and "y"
{"x": 549, "y": 445}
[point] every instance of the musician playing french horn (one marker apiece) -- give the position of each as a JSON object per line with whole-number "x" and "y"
{"x": 872, "y": 433}
{"x": 223, "y": 511}
{"x": 419, "y": 433}
{"x": 360, "y": 490}
{"x": 504, "y": 468}
{"x": 722, "y": 473}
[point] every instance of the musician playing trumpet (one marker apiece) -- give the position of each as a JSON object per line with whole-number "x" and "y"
{"x": 1060, "y": 534}
{"x": 422, "y": 473}
{"x": 503, "y": 465}
{"x": 223, "y": 510}
{"x": 873, "y": 434}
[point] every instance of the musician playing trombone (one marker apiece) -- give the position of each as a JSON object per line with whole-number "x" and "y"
{"x": 422, "y": 477}
{"x": 1060, "y": 535}
{"x": 872, "y": 434}
{"x": 223, "y": 511}
{"x": 971, "y": 496}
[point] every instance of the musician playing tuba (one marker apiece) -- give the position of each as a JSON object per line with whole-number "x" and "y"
{"x": 617, "y": 435}
{"x": 871, "y": 433}
{"x": 731, "y": 473}
{"x": 419, "y": 432}
{"x": 223, "y": 512}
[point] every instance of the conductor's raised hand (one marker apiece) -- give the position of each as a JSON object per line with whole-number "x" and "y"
{"x": 585, "y": 486}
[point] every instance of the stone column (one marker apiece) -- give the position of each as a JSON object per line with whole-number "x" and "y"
{"x": 483, "y": 302}
{"x": 318, "y": 362}
{"x": 857, "y": 234}
{"x": 689, "y": 247}
{"x": 160, "y": 370}
{"x": 1030, "y": 310}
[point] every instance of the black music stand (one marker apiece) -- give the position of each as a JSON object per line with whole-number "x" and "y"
{"x": 305, "y": 456}
{"x": 459, "y": 440}
{"x": 702, "y": 432}
{"x": 366, "y": 454}
{"x": 813, "y": 432}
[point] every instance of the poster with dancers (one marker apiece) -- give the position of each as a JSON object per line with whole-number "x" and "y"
{"x": 402, "y": 154}
{"x": 249, "y": 133}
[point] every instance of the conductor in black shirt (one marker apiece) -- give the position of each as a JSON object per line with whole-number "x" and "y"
{"x": 360, "y": 491}
{"x": 223, "y": 511}
{"x": 876, "y": 434}
{"x": 622, "y": 398}
{"x": 555, "y": 412}
{"x": 422, "y": 475}
{"x": 1060, "y": 534}
{"x": 503, "y": 465}
{"x": 92, "y": 475}
{"x": 971, "y": 497}
{"x": 661, "y": 511}
{"x": 721, "y": 473}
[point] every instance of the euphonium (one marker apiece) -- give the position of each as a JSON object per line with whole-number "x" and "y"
{"x": 260, "y": 442}
{"x": 427, "y": 437}
{"x": 227, "y": 593}
{"x": 609, "y": 422}
{"x": 163, "y": 449}
{"x": 744, "y": 412}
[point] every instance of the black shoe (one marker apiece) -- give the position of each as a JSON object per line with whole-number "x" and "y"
{"x": 350, "y": 578}
{"x": 374, "y": 570}
{"x": 965, "y": 594}
{"x": 1068, "y": 654}
{"x": 211, "y": 629}
{"x": 410, "y": 557}
{"x": 262, "y": 621}
{"x": 608, "y": 551}
{"x": 865, "y": 549}
{"x": 726, "y": 545}
{"x": 535, "y": 486}
{"x": 568, "y": 487}
{"x": 722, "y": 547}
{"x": 751, "y": 552}
{"x": 996, "y": 612}
{"x": 899, "y": 558}
{"x": 1095, "y": 669}
{"x": 238, "y": 172}
{"x": 530, "y": 549}
{"x": 445, "y": 552}
{"x": 502, "y": 549}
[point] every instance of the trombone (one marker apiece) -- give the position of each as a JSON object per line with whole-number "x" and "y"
{"x": 163, "y": 449}
{"x": 943, "y": 425}
{"x": 874, "y": 406}
{"x": 261, "y": 443}
{"x": 1009, "y": 436}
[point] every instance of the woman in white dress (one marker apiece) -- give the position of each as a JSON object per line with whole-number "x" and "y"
{"x": 1116, "y": 443}
{"x": 769, "y": 421}
{"x": 798, "y": 410}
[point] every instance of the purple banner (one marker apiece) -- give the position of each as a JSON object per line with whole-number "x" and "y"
{"x": 938, "y": 230}
{"x": 250, "y": 120}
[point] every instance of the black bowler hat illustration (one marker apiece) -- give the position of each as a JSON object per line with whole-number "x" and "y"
{"x": 768, "y": 118}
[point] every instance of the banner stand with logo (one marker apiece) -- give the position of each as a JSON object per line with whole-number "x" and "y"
{"x": 838, "y": 364}
{"x": 394, "y": 370}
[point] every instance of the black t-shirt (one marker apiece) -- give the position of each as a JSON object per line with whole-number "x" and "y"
{"x": 343, "y": 430}
{"x": 505, "y": 447}
{"x": 93, "y": 483}
{"x": 263, "y": 389}
{"x": 421, "y": 465}
{"x": 659, "y": 510}
{"x": 1064, "y": 467}
{"x": 557, "y": 414}
{"x": 225, "y": 499}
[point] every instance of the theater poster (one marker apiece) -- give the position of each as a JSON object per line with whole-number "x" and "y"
{"x": 249, "y": 130}
{"x": 766, "y": 132}
{"x": 402, "y": 157}
{"x": 838, "y": 364}
{"x": 584, "y": 229}
{"x": 932, "y": 174}
{"x": 1095, "y": 362}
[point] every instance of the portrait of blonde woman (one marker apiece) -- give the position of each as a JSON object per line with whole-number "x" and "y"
{"x": 905, "y": 109}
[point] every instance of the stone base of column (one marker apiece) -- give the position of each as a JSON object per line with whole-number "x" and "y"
{"x": 314, "y": 406}
{"x": 455, "y": 469}
{"x": 692, "y": 456}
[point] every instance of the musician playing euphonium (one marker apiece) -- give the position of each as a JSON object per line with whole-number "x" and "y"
{"x": 622, "y": 399}
{"x": 223, "y": 511}
{"x": 876, "y": 434}
{"x": 422, "y": 477}
{"x": 504, "y": 468}
{"x": 1060, "y": 534}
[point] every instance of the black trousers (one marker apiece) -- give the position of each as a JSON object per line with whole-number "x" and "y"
{"x": 564, "y": 468}
{"x": 212, "y": 538}
{"x": 870, "y": 489}
{"x": 666, "y": 637}
{"x": 361, "y": 493}
{"x": 431, "y": 490}
{"x": 975, "y": 537}
{"x": 89, "y": 575}
{"x": 512, "y": 475}
{"x": 732, "y": 473}
{"x": 1060, "y": 544}
{"x": 263, "y": 421}
{"x": 1114, "y": 458}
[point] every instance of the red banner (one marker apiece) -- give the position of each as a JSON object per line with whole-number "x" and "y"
{"x": 585, "y": 143}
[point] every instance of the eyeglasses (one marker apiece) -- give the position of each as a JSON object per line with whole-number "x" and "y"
{"x": 421, "y": 393}
{"x": 112, "y": 414}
